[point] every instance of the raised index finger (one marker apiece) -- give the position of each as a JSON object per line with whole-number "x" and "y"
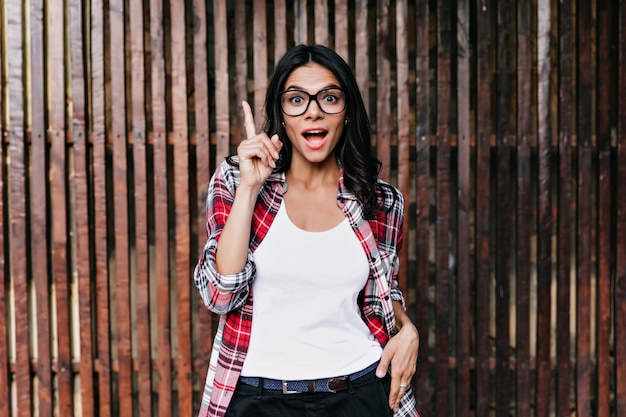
{"x": 248, "y": 120}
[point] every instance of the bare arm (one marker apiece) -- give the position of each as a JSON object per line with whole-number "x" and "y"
{"x": 256, "y": 162}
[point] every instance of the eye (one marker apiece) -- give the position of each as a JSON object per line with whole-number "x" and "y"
{"x": 295, "y": 98}
{"x": 332, "y": 97}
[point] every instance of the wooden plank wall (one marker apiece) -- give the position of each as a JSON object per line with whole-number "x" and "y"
{"x": 501, "y": 121}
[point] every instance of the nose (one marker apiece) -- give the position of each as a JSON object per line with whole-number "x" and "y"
{"x": 314, "y": 109}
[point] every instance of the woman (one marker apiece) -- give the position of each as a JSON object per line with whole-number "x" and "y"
{"x": 302, "y": 257}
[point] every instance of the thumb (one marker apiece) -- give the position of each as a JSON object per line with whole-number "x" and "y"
{"x": 383, "y": 366}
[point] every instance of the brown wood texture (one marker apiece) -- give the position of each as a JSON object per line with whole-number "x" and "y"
{"x": 584, "y": 84}
{"x": 442, "y": 284}
{"x": 361, "y": 50}
{"x": 341, "y": 35}
{"x": 545, "y": 222}
{"x": 58, "y": 207}
{"x": 484, "y": 130}
{"x": 222, "y": 120}
{"x": 422, "y": 175}
{"x": 463, "y": 247}
{"x": 620, "y": 253}
{"x": 38, "y": 222}
{"x": 181, "y": 200}
{"x": 121, "y": 325}
{"x": 161, "y": 211}
{"x": 241, "y": 65}
{"x": 403, "y": 123}
{"x": 523, "y": 211}
{"x": 202, "y": 111}
{"x": 522, "y": 264}
{"x": 81, "y": 224}
{"x": 605, "y": 61}
{"x": 140, "y": 280}
{"x": 383, "y": 86}
{"x": 101, "y": 235}
{"x": 320, "y": 16}
{"x": 17, "y": 205}
{"x": 5, "y": 406}
{"x": 504, "y": 206}
{"x": 259, "y": 52}
{"x": 565, "y": 207}
{"x": 508, "y": 152}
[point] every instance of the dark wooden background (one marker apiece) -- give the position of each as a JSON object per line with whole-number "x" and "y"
{"x": 503, "y": 122}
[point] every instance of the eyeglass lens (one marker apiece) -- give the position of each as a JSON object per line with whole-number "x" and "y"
{"x": 329, "y": 100}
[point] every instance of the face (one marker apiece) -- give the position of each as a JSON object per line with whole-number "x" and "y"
{"x": 314, "y": 133}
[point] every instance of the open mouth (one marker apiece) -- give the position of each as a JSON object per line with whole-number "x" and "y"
{"x": 315, "y": 138}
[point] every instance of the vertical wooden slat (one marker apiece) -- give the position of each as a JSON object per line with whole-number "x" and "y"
{"x": 422, "y": 175}
{"x": 259, "y": 47}
{"x": 463, "y": 313}
{"x": 522, "y": 290}
{"x": 620, "y": 253}
{"x": 203, "y": 154}
{"x": 5, "y": 376}
{"x": 100, "y": 207}
{"x": 280, "y": 29}
{"x": 181, "y": 201}
{"x": 565, "y": 236}
{"x": 321, "y": 22}
{"x": 504, "y": 207}
{"x": 442, "y": 286}
{"x": 161, "y": 211}
{"x": 584, "y": 96}
{"x": 117, "y": 134}
{"x": 61, "y": 277}
{"x": 442, "y": 240}
{"x": 383, "y": 86}
{"x": 605, "y": 227}
{"x": 17, "y": 208}
{"x": 141, "y": 262}
{"x": 82, "y": 251}
{"x": 241, "y": 66}
{"x": 484, "y": 53}
{"x": 5, "y": 406}
{"x": 38, "y": 222}
{"x": 222, "y": 82}
{"x": 523, "y": 214}
{"x": 583, "y": 286}
{"x": 544, "y": 208}
{"x": 341, "y": 28}
{"x": 300, "y": 34}
{"x": 404, "y": 179}
{"x": 361, "y": 52}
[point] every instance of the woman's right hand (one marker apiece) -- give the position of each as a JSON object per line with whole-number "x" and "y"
{"x": 258, "y": 153}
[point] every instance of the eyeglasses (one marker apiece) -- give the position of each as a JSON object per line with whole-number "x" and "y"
{"x": 296, "y": 102}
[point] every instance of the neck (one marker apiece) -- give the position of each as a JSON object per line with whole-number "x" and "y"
{"x": 313, "y": 174}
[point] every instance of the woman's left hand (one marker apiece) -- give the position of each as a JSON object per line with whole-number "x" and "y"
{"x": 401, "y": 354}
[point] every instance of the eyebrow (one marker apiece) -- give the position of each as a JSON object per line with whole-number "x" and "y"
{"x": 297, "y": 87}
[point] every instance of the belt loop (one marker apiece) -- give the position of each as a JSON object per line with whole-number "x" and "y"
{"x": 260, "y": 387}
{"x": 350, "y": 387}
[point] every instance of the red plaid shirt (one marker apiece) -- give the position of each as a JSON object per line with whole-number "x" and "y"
{"x": 231, "y": 297}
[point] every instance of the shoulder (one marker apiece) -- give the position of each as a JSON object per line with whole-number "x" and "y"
{"x": 390, "y": 199}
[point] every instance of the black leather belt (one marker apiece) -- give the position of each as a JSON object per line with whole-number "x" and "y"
{"x": 332, "y": 385}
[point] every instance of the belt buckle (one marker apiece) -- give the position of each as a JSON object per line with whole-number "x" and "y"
{"x": 286, "y": 391}
{"x": 337, "y": 384}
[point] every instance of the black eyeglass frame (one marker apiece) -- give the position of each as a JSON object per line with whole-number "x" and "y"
{"x": 312, "y": 97}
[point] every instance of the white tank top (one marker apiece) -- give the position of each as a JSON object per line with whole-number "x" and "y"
{"x": 306, "y": 323}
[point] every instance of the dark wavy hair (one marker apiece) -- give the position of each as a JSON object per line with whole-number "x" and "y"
{"x": 354, "y": 150}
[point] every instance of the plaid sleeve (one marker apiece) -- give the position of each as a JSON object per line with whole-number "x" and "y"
{"x": 221, "y": 293}
{"x": 390, "y": 221}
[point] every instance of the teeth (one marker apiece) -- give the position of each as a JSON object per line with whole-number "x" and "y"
{"x": 315, "y": 132}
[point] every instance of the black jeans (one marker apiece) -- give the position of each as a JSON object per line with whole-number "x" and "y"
{"x": 366, "y": 396}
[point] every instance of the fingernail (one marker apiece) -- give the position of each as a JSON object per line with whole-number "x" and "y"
{"x": 380, "y": 373}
